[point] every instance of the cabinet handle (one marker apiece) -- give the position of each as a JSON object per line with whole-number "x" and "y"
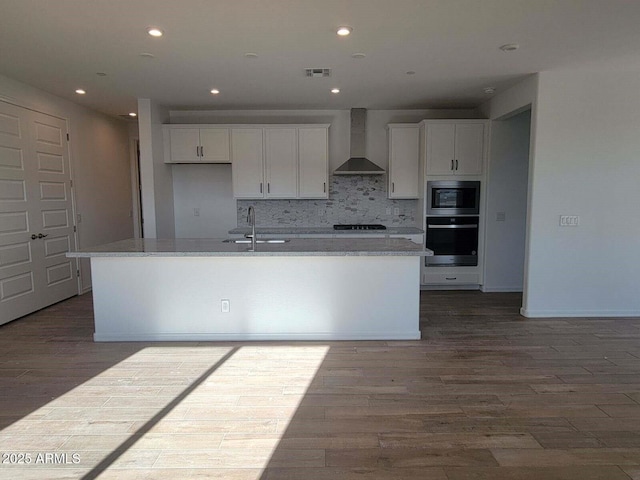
{"x": 393, "y": 187}
{"x": 324, "y": 187}
{"x": 268, "y": 187}
{"x": 202, "y": 152}
{"x": 450, "y": 278}
{"x": 197, "y": 151}
{"x": 452, "y": 164}
{"x": 260, "y": 187}
{"x": 456, "y": 165}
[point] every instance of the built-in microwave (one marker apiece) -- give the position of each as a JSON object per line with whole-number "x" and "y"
{"x": 451, "y": 197}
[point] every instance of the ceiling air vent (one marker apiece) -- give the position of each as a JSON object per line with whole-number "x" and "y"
{"x": 317, "y": 72}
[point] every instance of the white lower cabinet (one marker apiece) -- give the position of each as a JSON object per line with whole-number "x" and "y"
{"x": 450, "y": 278}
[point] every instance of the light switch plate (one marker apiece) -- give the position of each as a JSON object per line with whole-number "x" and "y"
{"x": 501, "y": 216}
{"x": 569, "y": 220}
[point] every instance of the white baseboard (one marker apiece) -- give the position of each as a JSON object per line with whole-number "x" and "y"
{"x": 488, "y": 289}
{"x": 450, "y": 287}
{"x": 578, "y": 313}
{"x": 213, "y": 337}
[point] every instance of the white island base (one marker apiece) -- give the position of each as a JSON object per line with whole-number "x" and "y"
{"x": 153, "y": 298}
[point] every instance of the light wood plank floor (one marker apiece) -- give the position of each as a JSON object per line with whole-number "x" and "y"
{"x": 486, "y": 394}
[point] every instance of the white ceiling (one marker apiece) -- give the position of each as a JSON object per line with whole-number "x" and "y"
{"x": 452, "y": 45}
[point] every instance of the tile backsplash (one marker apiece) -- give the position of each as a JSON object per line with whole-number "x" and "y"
{"x": 352, "y": 199}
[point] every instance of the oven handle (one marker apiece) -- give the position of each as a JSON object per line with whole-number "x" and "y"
{"x": 474, "y": 225}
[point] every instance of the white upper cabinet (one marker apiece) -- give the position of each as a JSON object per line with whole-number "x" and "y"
{"x": 196, "y": 144}
{"x": 404, "y": 161}
{"x": 313, "y": 162}
{"x": 247, "y": 168}
{"x": 214, "y": 145}
{"x": 455, "y": 147}
{"x": 281, "y": 162}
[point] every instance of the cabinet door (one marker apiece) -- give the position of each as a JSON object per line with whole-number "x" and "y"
{"x": 440, "y": 149}
{"x": 247, "y": 164}
{"x": 403, "y": 162}
{"x": 214, "y": 145}
{"x": 469, "y": 148}
{"x": 281, "y": 162}
{"x": 185, "y": 145}
{"x": 313, "y": 163}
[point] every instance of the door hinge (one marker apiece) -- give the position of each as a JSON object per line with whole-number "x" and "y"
{"x": 78, "y": 272}
{"x": 75, "y": 228}
{"x": 67, "y": 137}
{"x": 71, "y": 183}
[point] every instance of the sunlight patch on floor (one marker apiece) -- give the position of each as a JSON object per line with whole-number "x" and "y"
{"x": 136, "y": 414}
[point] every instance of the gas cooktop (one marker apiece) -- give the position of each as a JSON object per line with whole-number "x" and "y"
{"x": 359, "y": 226}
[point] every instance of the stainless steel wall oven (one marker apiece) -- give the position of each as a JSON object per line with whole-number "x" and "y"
{"x": 454, "y": 241}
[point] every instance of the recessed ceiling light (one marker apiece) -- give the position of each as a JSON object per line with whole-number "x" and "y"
{"x": 410, "y": 72}
{"x": 509, "y": 47}
{"x": 147, "y": 55}
{"x": 489, "y": 90}
{"x": 133, "y": 114}
{"x": 335, "y": 90}
{"x": 80, "y": 91}
{"x": 215, "y": 91}
{"x": 358, "y": 55}
{"x": 101, "y": 74}
{"x": 251, "y": 55}
{"x": 344, "y": 31}
{"x": 154, "y": 32}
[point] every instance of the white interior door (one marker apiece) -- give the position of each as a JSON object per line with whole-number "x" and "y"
{"x": 36, "y": 227}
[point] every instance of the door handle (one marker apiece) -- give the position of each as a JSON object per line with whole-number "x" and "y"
{"x": 42, "y": 236}
{"x": 34, "y": 236}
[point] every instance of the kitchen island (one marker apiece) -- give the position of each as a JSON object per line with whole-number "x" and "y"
{"x": 303, "y": 289}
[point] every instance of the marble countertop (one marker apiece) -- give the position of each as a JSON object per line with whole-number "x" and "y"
{"x": 325, "y": 231}
{"x": 212, "y": 247}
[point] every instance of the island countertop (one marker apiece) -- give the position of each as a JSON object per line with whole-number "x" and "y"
{"x": 216, "y": 247}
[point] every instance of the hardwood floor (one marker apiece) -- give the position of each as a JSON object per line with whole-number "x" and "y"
{"x": 486, "y": 394}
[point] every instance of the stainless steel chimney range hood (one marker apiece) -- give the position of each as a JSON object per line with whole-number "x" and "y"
{"x": 358, "y": 164}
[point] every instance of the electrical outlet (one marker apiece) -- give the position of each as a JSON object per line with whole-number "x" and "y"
{"x": 569, "y": 220}
{"x": 396, "y": 211}
{"x": 196, "y": 212}
{"x": 225, "y": 306}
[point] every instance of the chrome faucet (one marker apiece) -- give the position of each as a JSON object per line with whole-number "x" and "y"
{"x": 251, "y": 220}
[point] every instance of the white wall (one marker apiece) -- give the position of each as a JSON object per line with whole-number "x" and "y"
{"x": 99, "y": 152}
{"x": 506, "y": 188}
{"x": 210, "y": 185}
{"x": 156, "y": 176}
{"x": 587, "y": 163}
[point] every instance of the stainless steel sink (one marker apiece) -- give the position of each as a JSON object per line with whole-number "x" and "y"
{"x": 248, "y": 240}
